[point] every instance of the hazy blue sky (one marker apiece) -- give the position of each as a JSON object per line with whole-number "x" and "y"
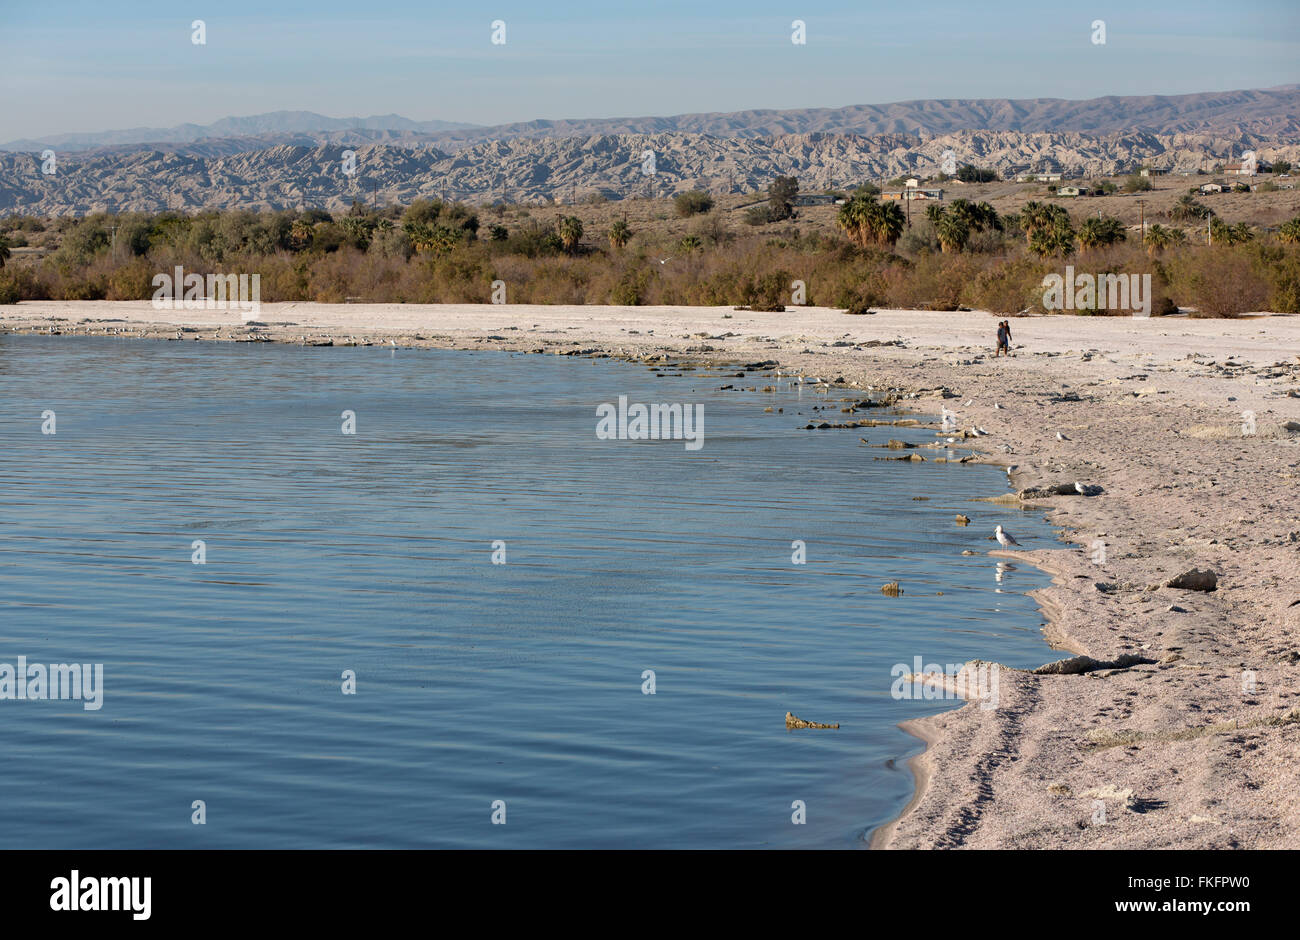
{"x": 107, "y": 64}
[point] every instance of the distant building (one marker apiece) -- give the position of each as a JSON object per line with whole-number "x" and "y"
{"x": 1069, "y": 191}
{"x": 1207, "y": 188}
{"x": 1044, "y": 176}
{"x": 1150, "y": 171}
{"x": 1239, "y": 169}
{"x": 911, "y": 193}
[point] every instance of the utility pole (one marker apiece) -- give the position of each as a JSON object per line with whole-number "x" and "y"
{"x": 1142, "y": 219}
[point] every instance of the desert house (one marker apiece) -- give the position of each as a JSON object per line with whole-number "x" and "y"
{"x": 911, "y": 191}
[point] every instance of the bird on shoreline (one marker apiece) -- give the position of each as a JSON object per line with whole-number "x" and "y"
{"x": 1004, "y": 537}
{"x": 1061, "y": 437}
{"x": 1080, "y": 488}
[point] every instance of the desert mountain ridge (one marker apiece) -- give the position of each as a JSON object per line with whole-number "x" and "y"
{"x": 571, "y": 169}
{"x": 1269, "y": 112}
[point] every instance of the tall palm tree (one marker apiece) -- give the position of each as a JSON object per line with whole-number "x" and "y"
{"x": 853, "y": 218}
{"x": 1035, "y": 217}
{"x": 953, "y": 232}
{"x": 1289, "y": 232}
{"x": 619, "y": 234}
{"x": 887, "y": 223}
{"x": 1054, "y": 235}
{"x": 569, "y": 229}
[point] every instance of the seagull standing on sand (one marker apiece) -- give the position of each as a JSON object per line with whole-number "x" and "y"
{"x": 1004, "y": 537}
{"x": 1061, "y": 437}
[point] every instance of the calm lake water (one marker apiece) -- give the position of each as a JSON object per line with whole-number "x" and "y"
{"x": 475, "y": 682}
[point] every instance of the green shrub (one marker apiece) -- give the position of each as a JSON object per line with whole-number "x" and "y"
{"x": 692, "y": 202}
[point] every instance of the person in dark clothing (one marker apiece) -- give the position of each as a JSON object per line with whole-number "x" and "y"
{"x": 1003, "y": 339}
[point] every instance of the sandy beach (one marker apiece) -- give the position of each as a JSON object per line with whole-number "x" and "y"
{"x": 1175, "y": 721}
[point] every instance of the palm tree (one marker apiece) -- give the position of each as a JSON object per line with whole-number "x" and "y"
{"x": 1187, "y": 208}
{"x": 868, "y": 222}
{"x": 569, "y": 229}
{"x": 1054, "y": 235}
{"x": 619, "y": 234}
{"x": 1158, "y": 238}
{"x": 691, "y": 243}
{"x": 978, "y": 216}
{"x": 1100, "y": 231}
{"x": 887, "y": 223}
{"x": 934, "y": 212}
{"x": 1036, "y": 216}
{"x": 853, "y": 218}
{"x": 1289, "y": 233}
{"x": 4, "y": 250}
{"x": 953, "y": 232}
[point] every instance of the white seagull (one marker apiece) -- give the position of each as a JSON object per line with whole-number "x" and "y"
{"x": 1080, "y": 488}
{"x": 1061, "y": 437}
{"x": 1004, "y": 537}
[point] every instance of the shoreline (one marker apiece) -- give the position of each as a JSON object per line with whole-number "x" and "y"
{"x": 1175, "y": 748}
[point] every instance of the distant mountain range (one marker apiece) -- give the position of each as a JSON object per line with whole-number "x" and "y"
{"x": 1270, "y": 112}
{"x": 297, "y": 159}
{"x": 316, "y": 127}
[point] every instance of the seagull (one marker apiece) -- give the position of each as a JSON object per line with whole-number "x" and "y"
{"x": 997, "y": 406}
{"x": 1080, "y": 488}
{"x": 1004, "y": 537}
{"x": 1061, "y": 437}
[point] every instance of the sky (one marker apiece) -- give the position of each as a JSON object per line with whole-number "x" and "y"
{"x": 112, "y": 64}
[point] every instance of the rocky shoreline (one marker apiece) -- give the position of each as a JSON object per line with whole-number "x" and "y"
{"x": 1175, "y": 718}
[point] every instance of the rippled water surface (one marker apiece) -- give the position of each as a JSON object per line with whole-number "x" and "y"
{"x": 475, "y": 681}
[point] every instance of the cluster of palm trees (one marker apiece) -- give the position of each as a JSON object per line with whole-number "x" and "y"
{"x": 427, "y": 238}
{"x": 1100, "y": 231}
{"x": 1048, "y": 229}
{"x": 954, "y": 225}
{"x": 869, "y": 222}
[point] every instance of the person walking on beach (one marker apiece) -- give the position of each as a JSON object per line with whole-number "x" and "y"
{"x": 1004, "y": 337}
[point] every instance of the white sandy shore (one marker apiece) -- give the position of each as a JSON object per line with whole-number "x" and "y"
{"x": 1198, "y": 745}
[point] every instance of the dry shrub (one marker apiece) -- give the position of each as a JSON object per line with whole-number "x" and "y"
{"x": 1218, "y": 281}
{"x": 931, "y": 282}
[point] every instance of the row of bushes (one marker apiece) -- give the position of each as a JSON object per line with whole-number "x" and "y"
{"x": 755, "y": 270}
